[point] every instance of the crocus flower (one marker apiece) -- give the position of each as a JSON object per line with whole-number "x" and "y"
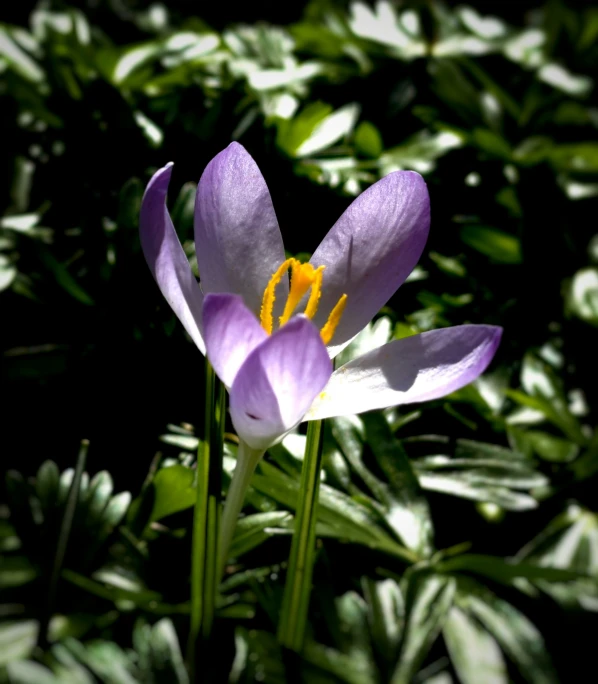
{"x": 274, "y": 361}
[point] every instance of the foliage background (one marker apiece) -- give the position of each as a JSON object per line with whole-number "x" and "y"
{"x": 495, "y": 104}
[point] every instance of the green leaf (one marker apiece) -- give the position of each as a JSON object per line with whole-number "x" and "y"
{"x": 505, "y": 571}
{"x": 125, "y": 591}
{"x": 428, "y": 601}
{"x": 184, "y": 442}
{"x": 161, "y": 661}
{"x": 114, "y": 512}
{"x": 386, "y": 616}
{"x": 500, "y": 247}
{"x": 30, "y": 672}
{"x": 182, "y": 211}
{"x": 344, "y": 667}
{"x": 253, "y": 530}
{"x": 17, "y": 640}
{"x": 567, "y": 542}
{"x": 419, "y": 152}
{"x": 459, "y": 484}
{"x": 129, "y": 204}
{"x": 517, "y": 636}
{"x": 551, "y": 448}
{"x": 555, "y": 410}
{"x": 68, "y": 669}
{"x": 64, "y": 278}
{"x": 582, "y": 295}
{"x": 339, "y": 516}
{"x": 449, "y": 265}
{"x": 484, "y": 471}
{"x": 561, "y": 78}
{"x": 292, "y": 133}
{"x": 46, "y": 483}
{"x": 580, "y": 158}
{"x": 98, "y": 495}
{"x": 368, "y": 141}
{"x": 492, "y": 143}
{"x": 372, "y": 336}
{"x": 257, "y": 653}
{"x": 474, "y": 653}
{"x": 348, "y": 433}
{"x": 469, "y": 448}
{"x": 8, "y": 272}
{"x": 174, "y": 488}
{"x": 131, "y": 59}
{"x": 105, "y": 659}
{"x": 316, "y": 130}
{"x": 18, "y": 59}
{"x": 15, "y": 571}
{"x": 408, "y": 512}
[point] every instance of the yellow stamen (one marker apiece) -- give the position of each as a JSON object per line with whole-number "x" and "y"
{"x": 314, "y": 295}
{"x": 327, "y": 332}
{"x": 302, "y": 278}
{"x": 270, "y": 295}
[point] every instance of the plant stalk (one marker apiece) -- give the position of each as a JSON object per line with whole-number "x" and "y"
{"x": 295, "y": 604}
{"x": 247, "y": 460}
{"x": 204, "y": 551}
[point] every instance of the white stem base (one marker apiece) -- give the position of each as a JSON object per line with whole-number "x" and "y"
{"x": 247, "y": 460}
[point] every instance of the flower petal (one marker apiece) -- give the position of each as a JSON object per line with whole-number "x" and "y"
{"x": 371, "y": 249}
{"x": 414, "y": 369}
{"x": 166, "y": 258}
{"x": 237, "y": 239}
{"x": 278, "y": 383}
{"x": 231, "y": 333}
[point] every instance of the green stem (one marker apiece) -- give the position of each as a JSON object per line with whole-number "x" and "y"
{"x": 211, "y": 577}
{"x": 61, "y": 546}
{"x": 295, "y": 604}
{"x": 204, "y": 552}
{"x": 247, "y": 460}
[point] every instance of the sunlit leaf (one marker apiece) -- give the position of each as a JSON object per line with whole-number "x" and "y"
{"x": 517, "y": 636}
{"x": 474, "y": 653}
{"x": 17, "y": 640}
{"x": 174, "y": 489}
{"x": 499, "y": 246}
{"x": 428, "y": 601}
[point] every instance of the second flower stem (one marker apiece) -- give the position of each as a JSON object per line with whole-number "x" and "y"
{"x": 204, "y": 552}
{"x": 247, "y": 460}
{"x": 293, "y": 618}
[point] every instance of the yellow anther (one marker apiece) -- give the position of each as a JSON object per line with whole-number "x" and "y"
{"x": 270, "y": 295}
{"x": 314, "y": 295}
{"x": 329, "y": 328}
{"x": 302, "y": 278}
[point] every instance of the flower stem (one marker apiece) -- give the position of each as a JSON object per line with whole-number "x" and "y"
{"x": 204, "y": 551}
{"x": 61, "y": 546}
{"x": 247, "y": 460}
{"x": 295, "y": 604}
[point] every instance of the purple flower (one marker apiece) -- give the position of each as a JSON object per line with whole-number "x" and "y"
{"x": 275, "y": 363}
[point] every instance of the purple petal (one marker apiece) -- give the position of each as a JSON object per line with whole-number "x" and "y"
{"x": 278, "y": 383}
{"x": 166, "y": 258}
{"x": 231, "y": 333}
{"x": 237, "y": 239}
{"x": 414, "y": 369}
{"x": 371, "y": 249}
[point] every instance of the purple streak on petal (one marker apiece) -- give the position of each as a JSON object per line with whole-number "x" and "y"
{"x": 237, "y": 239}
{"x": 166, "y": 258}
{"x": 278, "y": 383}
{"x": 372, "y": 248}
{"x": 231, "y": 333}
{"x": 414, "y": 369}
